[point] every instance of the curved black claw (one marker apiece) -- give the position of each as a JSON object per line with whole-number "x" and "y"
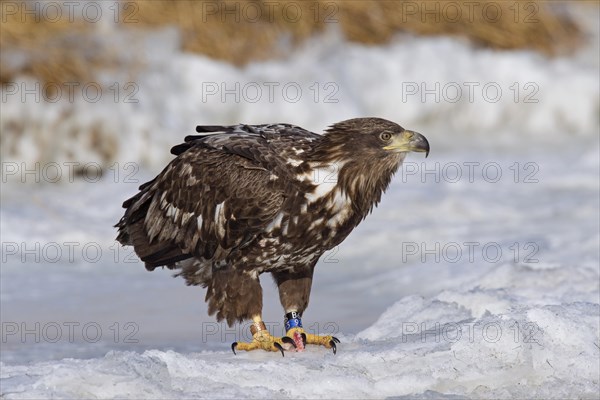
{"x": 280, "y": 348}
{"x": 303, "y": 338}
{"x": 233, "y": 346}
{"x": 332, "y": 344}
{"x": 335, "y": 339}
{"x": 289, "y": 340}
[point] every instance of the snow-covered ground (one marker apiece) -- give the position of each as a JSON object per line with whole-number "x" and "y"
{"x": 483, "y": 285}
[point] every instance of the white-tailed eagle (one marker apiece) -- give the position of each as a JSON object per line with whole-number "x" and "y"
{"x": 239, "y": 201}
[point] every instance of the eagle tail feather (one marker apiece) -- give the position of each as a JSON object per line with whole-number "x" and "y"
{"x": 133, "y": 233}
{"x": 159, "y": 254}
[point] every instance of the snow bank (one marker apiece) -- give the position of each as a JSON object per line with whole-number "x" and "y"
{"x": 492, "y": 339}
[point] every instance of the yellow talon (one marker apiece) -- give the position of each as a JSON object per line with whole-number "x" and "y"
{"x": 307, "y": 338}
{"x": 261, "y": 339}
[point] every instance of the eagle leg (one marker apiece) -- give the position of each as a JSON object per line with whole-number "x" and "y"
{"x": 262, "y": 339}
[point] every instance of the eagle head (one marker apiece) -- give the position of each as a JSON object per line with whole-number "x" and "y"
{"x": 374, "y": 137}
{"x": 365, "y": 153}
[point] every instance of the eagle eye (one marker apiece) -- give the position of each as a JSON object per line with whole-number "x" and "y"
{"x": 385, "y": 136}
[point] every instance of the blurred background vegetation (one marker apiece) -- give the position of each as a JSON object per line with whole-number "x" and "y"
{"x": 59, "y": 49}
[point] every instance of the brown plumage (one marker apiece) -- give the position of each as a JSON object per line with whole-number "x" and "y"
{"x": 239, "y": 201}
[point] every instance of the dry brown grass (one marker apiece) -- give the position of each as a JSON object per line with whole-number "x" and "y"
{"x": 61, "y": 51}
{"x": 493, "y": 24}
{"x": 496, "y": 24}
{"x": 208, "y": 28}
{"x": 51, "y": 51}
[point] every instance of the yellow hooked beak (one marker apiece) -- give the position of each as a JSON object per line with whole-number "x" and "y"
{"x": 409, "y": 141}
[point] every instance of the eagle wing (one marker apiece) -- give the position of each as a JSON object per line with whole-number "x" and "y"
{"x": 223, "y": 189}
